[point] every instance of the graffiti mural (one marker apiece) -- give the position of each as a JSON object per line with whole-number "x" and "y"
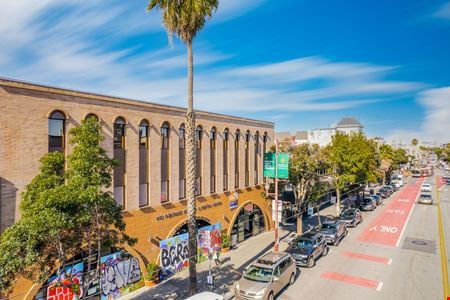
{"x": 174, "y": 251}
{"x": 120, "y": 275}
{"x": 70, "y": 285}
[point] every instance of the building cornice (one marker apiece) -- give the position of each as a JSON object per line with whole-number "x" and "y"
{"x": 13, "y": 83}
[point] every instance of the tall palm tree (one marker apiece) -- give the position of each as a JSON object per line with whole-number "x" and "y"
{"x": 185, "y": 18}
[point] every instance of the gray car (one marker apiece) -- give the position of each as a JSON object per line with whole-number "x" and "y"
{"x": 266, "y": 277}
{"x": 425, "y": 198}
{"x": 334, "y": 231}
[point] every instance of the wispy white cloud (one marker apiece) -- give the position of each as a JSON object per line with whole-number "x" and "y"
{"x": 436, "y": 123}
{"x": 443, "y": 11}
{"x": 74, "y": 45}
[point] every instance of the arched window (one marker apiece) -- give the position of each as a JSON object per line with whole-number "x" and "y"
{"x": 257, "y": 155}
{"x": 56, "y": 131}
{"x": 119, "y": 155}
{"x": 264, "y": 138}
{"x": 198, "y": 169}
{"x": 237, "y": 136}
{"x": 182, "y": 162}
{"x": 143, "y": 163}
{"x": 247, "y": 158}
{"x": 165, "y": 130}
{"x": 212, "y": 164}
{"x": 91, "y": 115}
{"x": 226, "y": 136}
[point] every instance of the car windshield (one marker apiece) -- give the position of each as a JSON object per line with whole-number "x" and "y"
{"x": 348, "y": 214}
{"x": 256, "y": 273}
{"x": 367, "y": 201}
{"x": 303, "y": 243}
{"x": 328, "y": 228}
{"x": 425, "y": 196}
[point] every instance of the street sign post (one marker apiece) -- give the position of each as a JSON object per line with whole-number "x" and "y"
{"x": 282, "y": 165}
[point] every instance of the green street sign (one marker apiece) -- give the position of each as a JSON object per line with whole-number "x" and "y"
{"x": 282, "y": 165}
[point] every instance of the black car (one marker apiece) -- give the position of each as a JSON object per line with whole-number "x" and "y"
{"x": 367, "y": 204}
{"x": 307, "y": 248}
{"x": 351, "y": 217}
{"x": 384, "y": 192}
{"x": 334, "y": 231}
{"x": 377, "y": 199}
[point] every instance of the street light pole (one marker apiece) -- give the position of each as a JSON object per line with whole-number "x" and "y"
{"x": 277, "y": 221}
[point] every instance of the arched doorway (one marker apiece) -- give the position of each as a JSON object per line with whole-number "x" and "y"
{"x": 248, "y": 222}
{"x": 184, "y": 228}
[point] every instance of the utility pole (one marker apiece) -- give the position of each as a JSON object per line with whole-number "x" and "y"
{"x": 277, "y": 221}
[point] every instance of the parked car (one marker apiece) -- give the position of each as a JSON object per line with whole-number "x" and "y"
{"x": 367, "y": 204}
{"x": 426, "y": 187}
{"x": 425, "y": 198}
{"x": 389, "y": 189}
{"x": 307, "y": 248}
{"x": 206, "y": 296}
{"x": 351, "y": 217}
{"x": 378, "y": 199}
{"x": 384, "y": 192}
{"x": 393, "y": 187}
{"x": 333, "y": 231}
{"x": 266, "y": 277}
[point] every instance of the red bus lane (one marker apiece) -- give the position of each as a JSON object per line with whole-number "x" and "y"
{"x": 387, "y": 228}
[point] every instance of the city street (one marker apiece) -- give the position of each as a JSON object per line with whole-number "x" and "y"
{"x": 379, "y": 261}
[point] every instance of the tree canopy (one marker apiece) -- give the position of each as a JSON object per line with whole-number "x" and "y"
{"x": 64, "y": 211}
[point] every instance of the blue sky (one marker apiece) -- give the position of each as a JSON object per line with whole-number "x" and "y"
{"x": 302, "y": 64}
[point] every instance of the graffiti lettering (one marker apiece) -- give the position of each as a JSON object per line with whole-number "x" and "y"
{"x": 118, "y": 272}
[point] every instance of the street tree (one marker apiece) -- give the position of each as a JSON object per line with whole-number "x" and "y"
{"x": 185, "y": 19}
{"x": 89, "y": 179}
{"x": 64, "y": 212}
{"x": 306, "y": 162}
{"x": 352, "y": 159}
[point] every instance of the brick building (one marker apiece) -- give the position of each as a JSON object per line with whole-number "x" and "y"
{"x": 148, "y": 140}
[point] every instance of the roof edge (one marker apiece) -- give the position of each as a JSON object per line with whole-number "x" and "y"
{"x": 96, "y": 96}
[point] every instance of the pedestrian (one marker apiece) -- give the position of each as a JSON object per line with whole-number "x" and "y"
{"x": 217, "y": 257}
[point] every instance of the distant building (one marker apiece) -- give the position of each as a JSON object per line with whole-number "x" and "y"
{"x": 322, "y": 136}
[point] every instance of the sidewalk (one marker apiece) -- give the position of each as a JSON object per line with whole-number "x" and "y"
{"x": 233, "y": 263}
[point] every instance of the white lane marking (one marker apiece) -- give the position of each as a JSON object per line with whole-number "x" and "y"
{"x": 390, "y": 261}
{"x": 407, "y": 220}
{"x": 380, "y": 286}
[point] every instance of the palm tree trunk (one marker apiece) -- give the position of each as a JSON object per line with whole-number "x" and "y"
{"x": 190, "y": 176}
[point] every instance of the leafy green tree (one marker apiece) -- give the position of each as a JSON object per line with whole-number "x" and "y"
{"x": 414, "y": 142}
{"x": 305, "y": 163}
{"x": 89, "y": 179}
{"x": 64, "y": 213}
{"x": 352, "y": 159}
{"x": 185, "y": 19}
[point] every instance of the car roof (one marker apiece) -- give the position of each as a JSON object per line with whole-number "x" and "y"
{"x": 309, "y": 235}
{"x": 271, "y": 258}
{"x": 206, "y": 296}
{"x": 331, "y": 222}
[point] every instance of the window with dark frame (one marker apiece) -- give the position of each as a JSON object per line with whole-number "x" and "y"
{"x": 119, "y": 155}
{"x": 257, "y": 155}
{"x": 247, "y": 159}
{"x": 165, "y": 130}
{"x": 56, "y": 131}
{"x": 236, "y": 158}
{"x": 198, "y": 168}
{"x": 226, "y": 135}
{"x": 143, "y": 163}
{"x": 212, "y": 142}
{"x": 182, "y": 161}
